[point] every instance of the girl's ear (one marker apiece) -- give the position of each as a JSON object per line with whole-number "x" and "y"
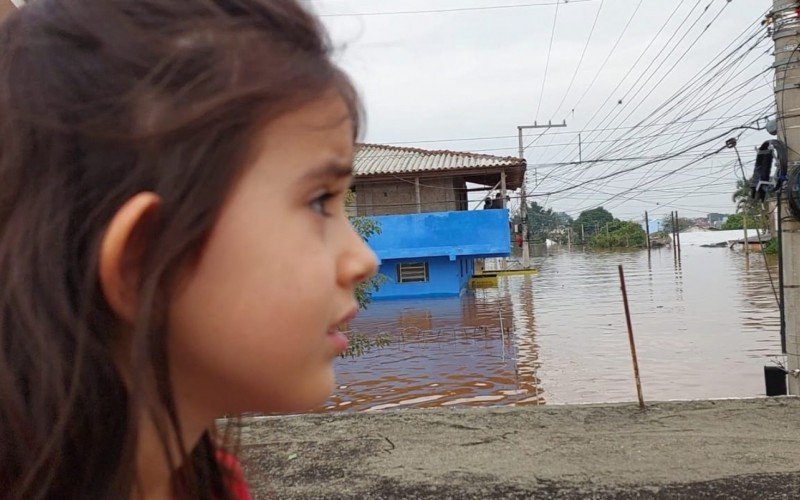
{"x": 122, "y": 252}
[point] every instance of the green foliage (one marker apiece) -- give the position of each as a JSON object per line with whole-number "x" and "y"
{"x": 591, "y": 222}
{"x": 666, "y": 224}
{"x": 771, "y": 248}
{"x": 360, "y": 344}
{"x": 621, "y": 234}
{"x": 540, "y": 222}
{"x": 543, "y": 223}
{"x": 753, "y": 209}
{"x": 735, "y": 221}
{"x": 366, "y": 228}
{"x": 365, "y": 290}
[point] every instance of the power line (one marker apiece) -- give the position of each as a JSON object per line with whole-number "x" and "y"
{"x": 605, "y": 61}
{"x": 641, "y": 122}
{"x": 547, "y": 62}
{"x": 580, "y": 60}
{"x": 606, "y": 129}
{"x": 685, "y": 89}
{"x": 458, "y": 9}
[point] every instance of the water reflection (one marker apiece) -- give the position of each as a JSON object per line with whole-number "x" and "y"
{"x": 704, "y": 327}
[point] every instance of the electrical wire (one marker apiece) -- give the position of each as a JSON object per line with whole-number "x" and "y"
{"x": 547, "y": 61}
{"x": 458, "y": 9}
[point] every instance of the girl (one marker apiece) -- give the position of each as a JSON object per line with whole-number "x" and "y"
{"x": 173, "y": 243}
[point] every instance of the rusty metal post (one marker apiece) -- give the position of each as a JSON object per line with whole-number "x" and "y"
{"x": 630, "y": 338}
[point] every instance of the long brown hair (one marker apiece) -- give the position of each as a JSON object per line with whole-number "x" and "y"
{"x": 100, "y": 100}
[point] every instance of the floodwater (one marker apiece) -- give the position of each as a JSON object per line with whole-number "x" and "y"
{"x": 704, "y": 326}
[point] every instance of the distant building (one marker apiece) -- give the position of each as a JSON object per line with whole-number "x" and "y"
{"x": 717, "y": 220}
{"x": 431, "y": 232}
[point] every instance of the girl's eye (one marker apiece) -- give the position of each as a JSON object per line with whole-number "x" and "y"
{"x": 320, "y": 204}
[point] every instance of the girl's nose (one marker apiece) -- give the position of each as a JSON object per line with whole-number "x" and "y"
{"x": 358, "y": 262}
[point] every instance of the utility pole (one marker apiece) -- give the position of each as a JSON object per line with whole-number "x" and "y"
{"x": 526, "y": 252}
{"x": 647, "y": 230}
{"x": 787, "y": 99}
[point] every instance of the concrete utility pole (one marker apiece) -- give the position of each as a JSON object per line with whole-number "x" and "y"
{"x": 526, "y": 252}
{"x": 787, "y": 99}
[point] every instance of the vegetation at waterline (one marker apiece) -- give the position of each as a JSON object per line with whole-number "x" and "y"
{"x": 620, "y": 234}
{"x": 771, "y": 248}
{"x": 359, "y": 343}
{"x": 666, "y": 224}
{"x": 597, "y": 228}
{"x": 735, "y": 221}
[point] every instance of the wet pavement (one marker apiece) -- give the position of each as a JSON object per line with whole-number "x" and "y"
{"x": 701, "y": 449}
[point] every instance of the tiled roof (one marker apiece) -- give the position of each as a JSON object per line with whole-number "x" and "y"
{"x": 376, "y": 159}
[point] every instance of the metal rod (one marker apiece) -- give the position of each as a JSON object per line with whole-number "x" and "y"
{"x": 630, "y": 338}
{"x": 674, "y": 241}
{"x": 780, "y": 275}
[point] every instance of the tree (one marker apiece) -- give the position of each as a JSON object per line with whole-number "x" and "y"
{"x": 683, "y": 223}
{"x": 360, "y": 344}
{"x": 366, "y": 227}
{"x": 592, "y": 222}
{"x": 543, "y": 223}
{"x": 540, "y": 222}
{"x": 621, "y": 234}
{"x": 749, "y": 207}
{"x": 735, "y": 221}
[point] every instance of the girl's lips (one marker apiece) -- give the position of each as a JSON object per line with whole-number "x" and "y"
{"x": 339, "y": 340}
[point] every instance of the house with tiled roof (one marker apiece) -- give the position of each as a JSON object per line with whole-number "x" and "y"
{"x": 432, "y": 230}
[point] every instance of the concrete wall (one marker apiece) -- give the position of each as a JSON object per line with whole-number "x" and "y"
{"x": 477, "y": 233}
{"x": 448, "y": 241}
{"x": 399, "y": 197}
{"x": 446, "y": 278}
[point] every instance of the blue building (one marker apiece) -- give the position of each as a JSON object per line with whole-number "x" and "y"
{"x": 432, "y": 230}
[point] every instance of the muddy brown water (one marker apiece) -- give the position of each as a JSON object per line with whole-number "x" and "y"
{"x": 704, "y": 327}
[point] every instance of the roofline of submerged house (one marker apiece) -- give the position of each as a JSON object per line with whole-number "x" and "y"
{"x": 513, "y": 166}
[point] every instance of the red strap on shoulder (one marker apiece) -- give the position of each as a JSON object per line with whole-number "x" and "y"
{"x": 236, "y": 481}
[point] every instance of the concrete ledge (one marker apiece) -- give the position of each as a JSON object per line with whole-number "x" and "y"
{"x": 709, "y": 449}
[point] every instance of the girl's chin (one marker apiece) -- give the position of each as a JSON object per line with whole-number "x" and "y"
{"x": 303, "y": 400}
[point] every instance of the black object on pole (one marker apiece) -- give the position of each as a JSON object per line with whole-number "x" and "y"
{"x": 775, "y": 380}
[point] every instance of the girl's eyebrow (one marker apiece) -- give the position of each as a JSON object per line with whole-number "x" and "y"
{"x": 328, "y": 171}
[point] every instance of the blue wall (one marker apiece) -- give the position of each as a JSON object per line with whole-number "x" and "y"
{"x": 479, "y": 233}
{"x": 447, "y": 241}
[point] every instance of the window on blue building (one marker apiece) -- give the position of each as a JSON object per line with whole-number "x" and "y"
{"x": 412, "y": 272}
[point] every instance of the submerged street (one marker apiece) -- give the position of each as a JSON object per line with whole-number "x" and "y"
{"x": 704, "y": 327}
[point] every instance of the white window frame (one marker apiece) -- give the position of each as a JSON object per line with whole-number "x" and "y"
{"x": 413, "y": 272}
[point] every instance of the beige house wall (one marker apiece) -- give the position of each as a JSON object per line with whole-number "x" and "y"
{"x": 399, "y": 197}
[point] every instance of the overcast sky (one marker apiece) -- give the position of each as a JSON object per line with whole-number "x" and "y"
{"x": 429, "y": 78}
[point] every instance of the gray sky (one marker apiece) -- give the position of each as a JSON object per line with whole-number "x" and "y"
{"x": 439, "y": 76}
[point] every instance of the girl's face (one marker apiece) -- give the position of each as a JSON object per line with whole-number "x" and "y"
{"x": 252, "y": 324}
